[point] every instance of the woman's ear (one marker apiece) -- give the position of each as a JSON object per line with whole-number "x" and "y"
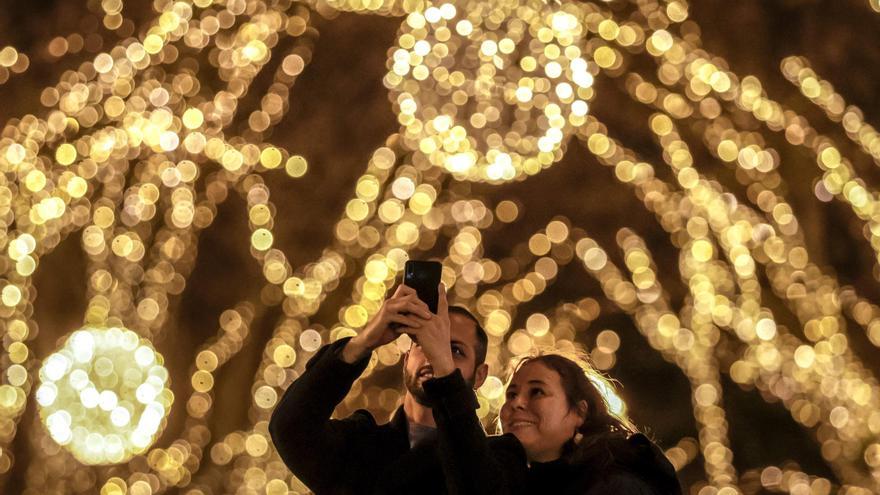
{"x": 581, "y": 410}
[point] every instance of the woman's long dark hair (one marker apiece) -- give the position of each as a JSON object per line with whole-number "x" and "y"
{"x": 606, "y": 413}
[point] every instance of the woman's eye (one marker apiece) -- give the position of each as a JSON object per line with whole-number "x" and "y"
{"x": 537, "y": 391}
{"x": 457, "y": 350}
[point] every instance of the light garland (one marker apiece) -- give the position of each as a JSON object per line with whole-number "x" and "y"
{"x": 491, "y": 91}
{"x": 104, "y": 395}
{"x": 136, "y": 151}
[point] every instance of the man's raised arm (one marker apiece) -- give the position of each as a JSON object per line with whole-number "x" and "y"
{"x": 311, "y": 444}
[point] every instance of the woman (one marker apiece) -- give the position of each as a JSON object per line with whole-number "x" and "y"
{"x": 577, "y": 439}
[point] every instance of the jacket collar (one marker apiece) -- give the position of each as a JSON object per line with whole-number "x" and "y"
{"x": 399, "y": 423}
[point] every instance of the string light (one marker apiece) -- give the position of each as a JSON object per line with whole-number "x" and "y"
{"x": 104, "y": 395}
{"x": 134, "y": 153}
{"x": 12, "y": 62}
{"x": 511, "y": 62}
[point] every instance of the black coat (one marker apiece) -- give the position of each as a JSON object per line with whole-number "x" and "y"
{"x": 616, "y": 465}
{"x": 619, "y": 465}
{"x": 355, "y": 455}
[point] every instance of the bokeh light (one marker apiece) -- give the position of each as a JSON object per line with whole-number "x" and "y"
{"x": 104, "y": 395}
{"x": 163, "y": 117}
{"x": 491, "y": 91}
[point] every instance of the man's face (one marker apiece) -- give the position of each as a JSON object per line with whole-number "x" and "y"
{"x": 463, "y": 343}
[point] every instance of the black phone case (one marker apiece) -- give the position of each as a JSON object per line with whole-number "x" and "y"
{"x": 424, "y": 277}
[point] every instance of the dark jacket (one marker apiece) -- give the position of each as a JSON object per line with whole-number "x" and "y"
{"x": 619, "y": 465}
{"x": 355, "y": 455}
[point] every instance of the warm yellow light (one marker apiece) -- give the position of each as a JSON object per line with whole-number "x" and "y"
{"x": 104, "y": 395}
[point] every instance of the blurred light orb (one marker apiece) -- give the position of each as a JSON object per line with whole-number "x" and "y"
{"x": 104, "y": 395}
{"x": 381, "y": 7}
{"x": 491, "y": 91}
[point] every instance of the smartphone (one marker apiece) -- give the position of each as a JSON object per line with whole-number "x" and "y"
{"x": 424, "y": 277}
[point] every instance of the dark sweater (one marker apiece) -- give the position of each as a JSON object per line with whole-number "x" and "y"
{"x": 355, "y": 455}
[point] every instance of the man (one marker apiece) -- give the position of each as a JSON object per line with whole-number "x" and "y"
{"x": 355, "y": 455}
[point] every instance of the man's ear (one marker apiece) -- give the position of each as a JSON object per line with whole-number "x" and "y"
{"x": 480, "y": 375}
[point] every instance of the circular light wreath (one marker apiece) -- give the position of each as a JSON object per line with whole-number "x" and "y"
{"x": 104, "y": 395}
{"x": 460, "y": 72}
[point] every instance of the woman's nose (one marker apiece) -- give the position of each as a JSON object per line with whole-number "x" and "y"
{"x": 518, "y": 402}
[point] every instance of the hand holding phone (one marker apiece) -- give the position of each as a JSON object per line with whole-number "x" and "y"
{"x": 434, "y": 336}
{"x": 405, "y": 308}
{"x": 402, "y": 309}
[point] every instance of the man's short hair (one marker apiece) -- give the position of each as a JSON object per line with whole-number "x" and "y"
{"x": 482, "y": 338}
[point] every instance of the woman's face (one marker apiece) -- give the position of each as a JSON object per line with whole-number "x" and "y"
{"x": 537, "y": 412}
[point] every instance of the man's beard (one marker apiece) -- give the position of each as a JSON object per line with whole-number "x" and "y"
{"x": 414, "y": 387}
